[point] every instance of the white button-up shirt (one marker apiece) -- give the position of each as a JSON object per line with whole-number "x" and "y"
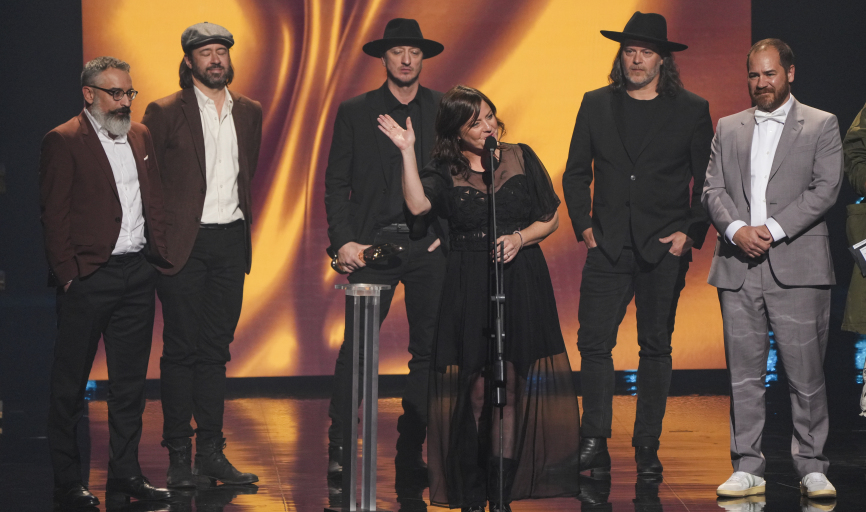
{"x": 221, "y": 204}
{"x": 765, "y": 140}
{"x": 131, "y": 238}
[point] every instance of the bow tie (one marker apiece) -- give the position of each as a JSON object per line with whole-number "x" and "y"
{"x": 778, "y": 116}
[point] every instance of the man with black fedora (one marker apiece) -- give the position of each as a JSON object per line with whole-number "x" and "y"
{"x": 207, "y": 141}
{"x": 364, "y": 205}
{"x": 642, "y": 140}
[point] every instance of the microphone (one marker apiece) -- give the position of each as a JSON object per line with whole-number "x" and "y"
{"x": 490, "y": 143}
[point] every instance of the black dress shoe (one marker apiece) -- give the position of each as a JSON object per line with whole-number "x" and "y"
{"x": 119, "y": 490}
{"x": 594, "y": 455}
{"x": 647, "y": 459}
{"x": 74, "y": 495}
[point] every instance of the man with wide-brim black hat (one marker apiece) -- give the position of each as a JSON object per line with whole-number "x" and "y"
{"x": 642, "y": 139}
{"x": 364, "y": 205}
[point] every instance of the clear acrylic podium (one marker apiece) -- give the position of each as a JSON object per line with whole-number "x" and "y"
{"x": 365, "y": 332}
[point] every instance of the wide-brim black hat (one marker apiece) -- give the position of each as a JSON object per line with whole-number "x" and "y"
{"x": 403, "y": 32}
{"x": 648, "y": 27}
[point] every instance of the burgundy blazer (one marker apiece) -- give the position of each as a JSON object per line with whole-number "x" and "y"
{"x": 81, "y": 210}
{"x": 178, "y": 138}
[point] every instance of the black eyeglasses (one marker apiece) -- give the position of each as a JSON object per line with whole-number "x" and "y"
{"x": 116, "y": 93}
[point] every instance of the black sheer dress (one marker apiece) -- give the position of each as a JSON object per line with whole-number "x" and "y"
{"x": 541, "y": 429}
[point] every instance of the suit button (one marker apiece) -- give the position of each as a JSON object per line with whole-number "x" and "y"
{"x": 202, "y": 190}
{"x": 632, "y": 177}
{"x": 117, "y": 219}
{"x": 628, "y": 203}
{"x": 112, "y": 246}
{"x": 198, "y": 219}
{"x": 384, "y": 190}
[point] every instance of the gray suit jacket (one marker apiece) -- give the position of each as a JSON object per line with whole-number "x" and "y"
{"x": 804, "y": 182}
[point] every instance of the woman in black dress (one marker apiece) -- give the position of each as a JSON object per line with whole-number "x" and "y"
{"x": 541, "y": 418}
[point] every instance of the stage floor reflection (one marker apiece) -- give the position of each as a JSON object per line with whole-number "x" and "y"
{"x": 283, "y": 441}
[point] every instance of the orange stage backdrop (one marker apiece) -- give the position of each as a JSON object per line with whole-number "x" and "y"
{"x": 301, "y": 58}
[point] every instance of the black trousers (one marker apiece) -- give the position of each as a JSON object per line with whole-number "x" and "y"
{"x": 421, "y": 273}
{"x": 201, "y": 306}
{"x": 605, "y": 292}
{"x": 116, "y": 303}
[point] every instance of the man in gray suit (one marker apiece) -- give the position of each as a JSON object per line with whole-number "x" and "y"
{"x": 775, "y": 170}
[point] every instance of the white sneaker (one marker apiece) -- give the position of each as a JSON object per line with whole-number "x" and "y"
{"x": 742, "y": 484}
{"x": 816, "y": 485}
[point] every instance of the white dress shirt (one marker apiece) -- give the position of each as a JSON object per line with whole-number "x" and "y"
{"x": 221, "y": 204}
{"x": 765, "y": 140}
{"x": 131, "y": 238}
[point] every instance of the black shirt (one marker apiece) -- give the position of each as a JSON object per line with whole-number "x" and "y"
{"x": 392, "y": 211}
{"x": 638, "y": 117}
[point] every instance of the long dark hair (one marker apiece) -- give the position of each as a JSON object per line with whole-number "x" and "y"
{"x": 669, "y": 75}
{"x": 185, "y": 73}
{"x": 459, "y": 106}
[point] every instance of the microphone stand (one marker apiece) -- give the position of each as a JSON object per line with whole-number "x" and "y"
{"x": 498, "y": 299}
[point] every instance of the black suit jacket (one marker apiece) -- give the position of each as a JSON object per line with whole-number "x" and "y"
{"x": 650, "y": 189}
{"x": 360, "y": 164}
{"x": 178, "y": 139}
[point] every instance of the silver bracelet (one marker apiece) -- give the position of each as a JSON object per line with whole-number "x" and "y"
{"x": 517, "y": 232}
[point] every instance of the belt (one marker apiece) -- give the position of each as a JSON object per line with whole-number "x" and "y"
{"x": 228, "y": 225}
{"x": 394, "y": 228}
{"x": 120, "y": 258}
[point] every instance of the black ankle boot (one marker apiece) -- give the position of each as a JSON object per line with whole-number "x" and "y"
{"x": 212, "y": 464}
{"x": 179, "y": 472}
{"x": 594, "y": 455}
{"x": 509, "y": 468}
{"x": 647, "y": 459}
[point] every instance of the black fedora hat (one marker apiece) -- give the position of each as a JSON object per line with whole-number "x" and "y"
{"x": 649, "y": 27}
{"x": 403, "y": 32}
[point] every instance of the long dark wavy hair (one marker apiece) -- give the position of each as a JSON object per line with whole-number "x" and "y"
{"x": 459, "y": 106}
{"x": 185, "y": 73}
{"x": 669, "y": 75}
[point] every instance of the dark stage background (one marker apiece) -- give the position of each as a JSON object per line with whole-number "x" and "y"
{"x": 41, "y": 48}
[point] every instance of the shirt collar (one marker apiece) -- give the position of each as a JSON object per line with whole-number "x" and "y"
{"x": 102, "y": 131}
{"x": 203, "y": 100}
{"x": 391, "y": 101}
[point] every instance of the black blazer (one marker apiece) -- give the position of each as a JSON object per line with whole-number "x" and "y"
{"x": 360, "y": 163}
{"x": 650, "y": 190}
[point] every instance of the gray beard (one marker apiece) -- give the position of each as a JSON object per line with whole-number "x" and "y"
{"x": 115, "y": 124}
{"x": 651, "y": 74}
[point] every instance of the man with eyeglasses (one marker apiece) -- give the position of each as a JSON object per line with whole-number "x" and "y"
{"x": 103, "y": 224}
{"x": 207, "y": 145}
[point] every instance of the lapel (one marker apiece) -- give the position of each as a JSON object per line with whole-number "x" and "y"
{"x": 239, "y": 116}
{"x": 428, "y": 116}
{"x": 376, "y": 102}
{"x": 744, "y": 150}
{"x": 790, "y": 132}
{"x": 189, "y": 105}
{"x": 91, "y": 140}
{"x": 619, "y": 119}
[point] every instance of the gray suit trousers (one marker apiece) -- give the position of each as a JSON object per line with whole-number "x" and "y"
{"x": 799, "y": 318}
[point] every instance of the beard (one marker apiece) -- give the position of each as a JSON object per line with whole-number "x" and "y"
{"x": 116, "y": 122}
{"x": 214, "y": 76}
{"x": 770, "y": 98}
{"x": 648, "y": 77}
{"x": 399, "y": 81}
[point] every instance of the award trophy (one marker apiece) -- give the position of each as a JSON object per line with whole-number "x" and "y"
{"x": 372, "y": 253}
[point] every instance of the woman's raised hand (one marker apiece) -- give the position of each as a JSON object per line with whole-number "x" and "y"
{"x": 403, "y": 139}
